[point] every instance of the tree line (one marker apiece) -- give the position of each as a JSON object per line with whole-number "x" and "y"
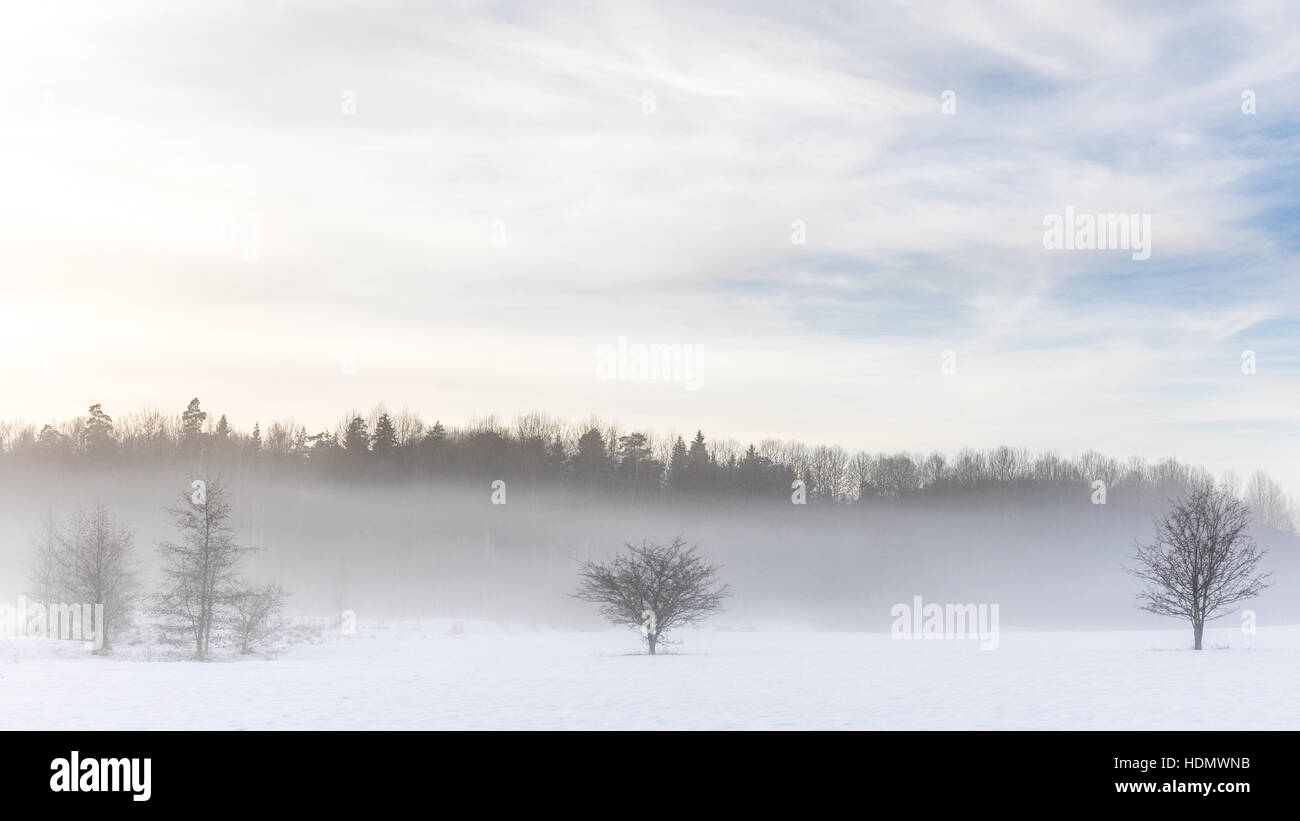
{"x": 596, "y": 458}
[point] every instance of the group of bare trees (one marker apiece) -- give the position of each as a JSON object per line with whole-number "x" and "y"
{"x": 1201, "y": 564}
{"x": 88, "y": 559}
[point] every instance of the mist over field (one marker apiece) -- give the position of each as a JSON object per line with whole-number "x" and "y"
{"x": 649, "y": 364}
{"x": 410, "y": 546}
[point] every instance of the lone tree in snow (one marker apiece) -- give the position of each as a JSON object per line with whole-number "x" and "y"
{"x": 1203, "y": 559}
{"x": 200, "y": 569}
{"x": 653, "y": 588}
{"x": 256, "y": 614}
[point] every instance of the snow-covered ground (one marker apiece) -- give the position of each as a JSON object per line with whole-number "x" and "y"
{"x": 420, "y": 676}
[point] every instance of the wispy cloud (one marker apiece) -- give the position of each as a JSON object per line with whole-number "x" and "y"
{"x": 190, "y": 206}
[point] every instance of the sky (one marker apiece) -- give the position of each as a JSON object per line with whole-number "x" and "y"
{"x": 837, "y": 210}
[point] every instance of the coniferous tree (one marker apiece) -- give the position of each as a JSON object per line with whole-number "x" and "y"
{"x": 557, "y": 459}
{"x": 302, "y": 443}
{"x": 697, "y": 468}
{"x": 678, "y": 479}
{"x": 97, "y": 436}
{"x": 53, "y": 444}
{"x": 192, "y": 424}
{"x": 384, "y": 440}
{"x": 638, "y": 471}
{"x": 356, "y": 439}
{"x": 590, "y": 465}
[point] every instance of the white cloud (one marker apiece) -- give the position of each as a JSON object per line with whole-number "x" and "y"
{"x": 136, "y": 147}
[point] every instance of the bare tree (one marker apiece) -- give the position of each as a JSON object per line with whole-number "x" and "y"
{"x": 829, "y": 465}
{"x": 96, "y": 569}
{"x": 199, "y": 570}
{"x": 860, "y": 467}
{"x": 1268, "y": 503}
{"x": 969, "y": 467}
{"x": 1007, "y": 464}
{"x": 410, "y": 427}
{"x": 1203, "y": 559}
{"x": 1093, "y": 466}
{"x": 894, "y": 477}
{"x": 46, "y": 573}
{"x": 255, "y": 614}
{"x": 653, "y": 588}
{"x": 934, "y": 470}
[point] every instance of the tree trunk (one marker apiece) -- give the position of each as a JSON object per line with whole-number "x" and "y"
{"x": 650, "y": 640}
{"x": 1198, "y": 628}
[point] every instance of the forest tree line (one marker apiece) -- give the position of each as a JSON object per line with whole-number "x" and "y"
{"x": 598, "y": 458}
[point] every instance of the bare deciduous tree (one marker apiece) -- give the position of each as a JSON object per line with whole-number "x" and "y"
{"x": 46, "y": 574}
{"x": 829, "y": 466}
{"x": 255, "y": 614}
{"x": 95, "y": 560}
{"x": 199, "y": 570}
{"x": 1203, "y": 559}
{"x": 653, "y": 588}
{"x": 894, "y": 477}
{"x": 1268, "y": 503}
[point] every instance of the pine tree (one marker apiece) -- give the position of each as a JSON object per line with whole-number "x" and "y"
{"x": 356, "y": 440}
{"x": 53, "y": 443}
{"x": 192, "y": 423}
{"x": 98, "y": 438}
{"x": 323, "y": 444}
{"x": 384, "y": 440}
{"x": 699, "y": 454}
{"x": 699, "y": 465}
{"x": 302, "y": 443}
{"x": 557, "y": 458}
{"x": 677, "y": 478}
{"x": 637, "y": 469}
{"x": 590, "y": 465}
{"x": 433, "y": 448}
{"x": 752, "y": 472}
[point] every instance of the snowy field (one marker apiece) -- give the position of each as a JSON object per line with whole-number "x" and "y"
{"x": 421, "y": 676}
